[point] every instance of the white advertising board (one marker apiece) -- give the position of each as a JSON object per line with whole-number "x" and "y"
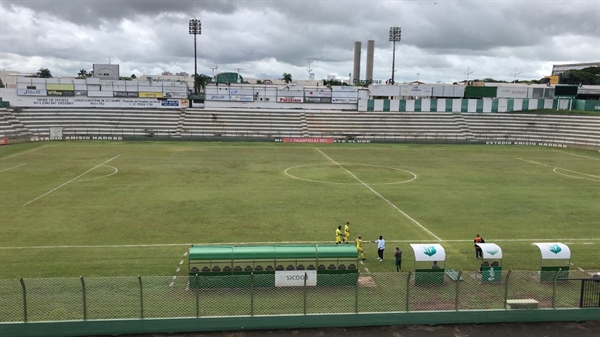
{"x": 218, "y": 97}
{"x": 31, "y": 92}
{"x": 317, "y": 93}
{"x": 87, "y": 102}
{"x": 98, "y": 93}
{"x": 290, "y": 93}
{"x": 297, "y": 99}
{"x": 352, "y": 100}
{"x": 416, "y": 90}
{"x": 241, "y": 98}
{"x": 295, "y": 278}
{"x": 508, "y": 92}
{"x": 172, "y": 94}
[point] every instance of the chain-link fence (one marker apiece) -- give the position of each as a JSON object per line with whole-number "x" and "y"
{"x": 256, "y": 294}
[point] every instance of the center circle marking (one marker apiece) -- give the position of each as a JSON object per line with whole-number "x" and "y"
{"x": 414, "y": 175}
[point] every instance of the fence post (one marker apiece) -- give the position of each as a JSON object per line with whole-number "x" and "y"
{"x": 252, "y": 294}
{"x": 506, "y": 289}
{"x": 197, "y": 297}
{"x": 356, "y": 293}
{"x": 554, "y": 288}
{"x": 408, "y": 291}
{"x": 84, "y": 298}
{"x": 141, "y": 298}
{"x": 305, "y": 276}
{"x": 24, "y": 299}
{"x": 457, "y": 290}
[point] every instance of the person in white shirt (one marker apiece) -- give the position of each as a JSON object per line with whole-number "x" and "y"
{"x": 380, "y": 247}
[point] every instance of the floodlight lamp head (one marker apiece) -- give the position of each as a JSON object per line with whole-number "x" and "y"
{"x": 195, "y": 27}
{"x": 395, "y": 33}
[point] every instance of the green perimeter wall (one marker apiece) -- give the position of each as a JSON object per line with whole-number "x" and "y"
{"x": 116, "y": 327}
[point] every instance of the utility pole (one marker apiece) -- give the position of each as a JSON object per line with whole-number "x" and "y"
{"x": 515, "y": 76}
{"x": 238, "y": 78}
{"x": 468, "y": 73}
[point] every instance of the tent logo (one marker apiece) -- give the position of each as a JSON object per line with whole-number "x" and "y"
{"x": 554, "y": 249}
{"x": 492, "y": 252}
{"x": 429, "y": 251}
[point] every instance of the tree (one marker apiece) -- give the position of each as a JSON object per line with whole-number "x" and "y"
{"x": 133, "y": 76}
{"x": 90, "y": 73}
{"x": 585, "y": 76}
{"x": 201, "y": 81}
{"x": 259, "y": 82}
{"x": 44, "y": 73}
{"x": 287, "y": 78}
{"x": 82, "y": 73}
{"x": 1, "y": 83}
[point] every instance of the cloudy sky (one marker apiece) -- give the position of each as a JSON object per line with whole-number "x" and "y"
{"x": 441, "y": 39}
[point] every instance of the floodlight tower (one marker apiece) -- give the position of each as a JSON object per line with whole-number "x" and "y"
{"x": 195, "y": 29}
{"x": 395, "y": 36}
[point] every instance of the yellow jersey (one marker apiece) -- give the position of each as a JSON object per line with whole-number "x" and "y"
{"x": 347, "y": 229}
{"x": 359, "y": 243}
{"x": 338, "y": 233}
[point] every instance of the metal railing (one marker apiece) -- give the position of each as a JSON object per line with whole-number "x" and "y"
{"x": 93, "y": 298}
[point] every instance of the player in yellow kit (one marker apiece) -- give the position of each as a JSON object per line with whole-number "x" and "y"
{"x": 359, "y": 248}
{"x": 338, "y": 235}
{"x": 347, "y": 232}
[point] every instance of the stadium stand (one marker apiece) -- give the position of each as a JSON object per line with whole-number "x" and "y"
{"x": 10, "y": 126}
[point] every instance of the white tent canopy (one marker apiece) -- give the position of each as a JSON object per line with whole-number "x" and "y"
{"x": 490, "y": 251}
{"x": 554, "y": 250}
{"x": 428, "y": 252}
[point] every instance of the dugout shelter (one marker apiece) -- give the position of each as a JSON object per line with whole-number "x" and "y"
{"x": 555, "y": 256}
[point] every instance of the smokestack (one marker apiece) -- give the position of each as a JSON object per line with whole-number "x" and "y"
{"x": 356, "y": 75}
{"x": 370, "y": 52}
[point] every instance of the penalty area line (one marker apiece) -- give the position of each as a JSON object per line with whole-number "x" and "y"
{"x": 70, "y": 181}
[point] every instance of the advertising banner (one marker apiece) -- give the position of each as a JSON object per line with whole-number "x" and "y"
{"x": 184, "y": 103}
{"x": 217, "y": 97}
{"x": 511, "y": 92}
{"x": 305, "y": 140}
{"x": 295, "y": 278}
{"x": 169, "y": 103}
{"x": 317, "y": 99}
{"x": 344, "y": 100}
{"x": 68, "y": 87}
{"x": 321, "y": 93}
{"x": 125, "y": 94}
{"x": 290, "y": 93}
{"x": 415, "y": 90}
{"x": 88, "y": 102}
{"x": 3, "y": 141}
{"x": 61, "y": 93}
{"x": 297, "y": 99}
{"x": 32, "y": 92}
{"x": 241, "y": 98}
{"x": 148, "y": 94}
{"x": 98, "y": 93}
{"x": 80, "y": 92}
{"x": 243, "y": 92}
{"x": 175, "y": 94}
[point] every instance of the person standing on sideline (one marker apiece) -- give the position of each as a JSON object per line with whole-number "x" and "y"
{"x": 338, "y": 235}
{"x": 380, "y": 247}
{"x": 347, "y": 232}
{"x": 435, "y": 265}
{"x": 478, "y": 252}
{"x": 398, "y": 255}
{"x": 359, "y": 248}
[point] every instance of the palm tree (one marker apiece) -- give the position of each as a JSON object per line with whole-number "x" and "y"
{"x": 44, "y": 73}
{"x": 287, "y": 78}
{"x": 82, "y": 73}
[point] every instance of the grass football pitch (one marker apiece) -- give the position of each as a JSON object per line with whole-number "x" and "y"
{"x": 132, "y": 208}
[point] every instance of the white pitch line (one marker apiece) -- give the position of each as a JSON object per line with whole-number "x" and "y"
{"x": 18, "y": 154}
{"x": 181, "y": 262}
{"x": 158, "y": 245}
{"x": 555, "y": 168}
{"x": 578, "y": 155}
{"x": 10, "y": 168}
{"x": 379, "y": 195}
{"x": 367, "y": 269}
{"x": 81, "y": 175}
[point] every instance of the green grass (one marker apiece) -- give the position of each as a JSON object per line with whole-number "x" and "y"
{"x": 178, "y": 193}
